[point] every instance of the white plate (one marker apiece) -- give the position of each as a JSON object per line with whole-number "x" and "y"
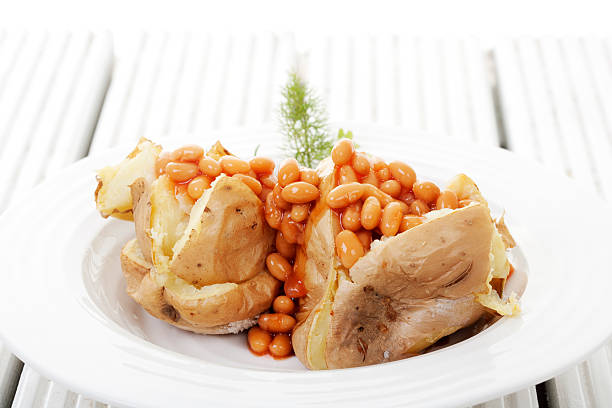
{"x": 64, "y": 311}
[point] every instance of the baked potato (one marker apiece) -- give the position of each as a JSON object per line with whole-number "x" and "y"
{"x": 197, "y": 265}
{"x": 112, "y": 195}
{"x": 403, "y": 295}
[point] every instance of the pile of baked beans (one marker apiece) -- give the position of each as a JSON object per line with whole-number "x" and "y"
{"x": 377, "y": 199}
{"x": 373, "y": 199}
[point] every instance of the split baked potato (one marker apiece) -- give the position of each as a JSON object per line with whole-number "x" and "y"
{"x": 407, "y": 292}
{"x": 198, "y": 266}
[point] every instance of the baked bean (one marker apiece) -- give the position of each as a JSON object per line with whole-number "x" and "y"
{"x": 402, "y": 173}
{"x": 294, "y": 287}
{"x": 278, "y": 198}
{"x": 351, "y": 217}
{"x": 160, "y": 163}
{"x": 300, "y": 192}
{"x": 378, "y": 164}
{"x": 273, "y": 214}
{"x": 419, "y": 207}
{"x": 426, "y": 191}
{"x": 286, "y": 249}
{"x": 406, "y": 196}
{"x": 410, "y": 221}
{"x": 268, "y": 180}
{"x": 232, "y": 165}
{"x": 390, "y": 219}
{"x": 365, "y": 237}
{"x": 264, "y": 193}
{"x": 283, "y": 304}
{"x": 370, "y": 213}
{"x": 344, "y": 195}
{"x": 383, "y": 174}
{"x": 383, "y": 198}
{"x": 188, "y": 153}
{"x": 210, "y": 167}
{"x": 181, "y": 172}
{"x": 292, "y": 230}
{"x": 251, "y": 173}
{"x": 288, "y": 172}
{"x": 299, "y": 212}
{"x": 258, "y": 340}
{"x": 280, "y": 346}
{"x": 309, "y": 176}
{"x": 361, "y": 164}
{"x": 370, "y": 179}
{"x": 278, "y": 266}
{"x": 276, "y": 322}
{"x": 262, "y": 165}
{"x": 197, "y": 185}
{"x": 447, "y": 199}
{"x": 391, "y": 187}
{"x": 348, "y": 248}
{"x": 251, "y": 182}
{"x": 347, "y": 175}
{"x": 342, "y": 152}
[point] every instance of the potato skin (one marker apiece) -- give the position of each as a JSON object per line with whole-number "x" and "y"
{"x": 141, "y": 199}
{"x": 230, "y": 312}
{"x": 232, "y": 240}
{"x": 405, "y": 294}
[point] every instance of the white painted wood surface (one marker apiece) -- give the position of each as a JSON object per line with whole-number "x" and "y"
{"x": 554, "y": 101}
{"x": 557, "y": 103}
{"x": 51, "y": 89}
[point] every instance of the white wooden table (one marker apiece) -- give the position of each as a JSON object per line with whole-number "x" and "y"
{"x": 549, "y": 99}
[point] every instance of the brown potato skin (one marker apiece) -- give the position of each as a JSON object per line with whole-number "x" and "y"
{"x": 230, "y": 312}
{"x": 383, "y": 313}
{"x": 141, "y": 201}
{"x": 416, "y": 288}
{"x": 233, "y": 241}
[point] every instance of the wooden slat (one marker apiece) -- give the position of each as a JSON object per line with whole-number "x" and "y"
{"x": 259, "y": 86}
{"x": 481, "y": 100}
{"x": 429, "y": 51}
{"x": 385, "y": 79}
{"x": 164, "y": 94}
{"x": 120, "y": 89}
{"x": 190, "y": 83}
{"x": 363, "y": 93}
{"x": 588, "y": 107}
{"x": 50, "y": 76}
{"x": 460, "y": 110}
{"x": 410, "y": 85}
{"x": 340, "y": 97}
{"x": 561, "y": 109}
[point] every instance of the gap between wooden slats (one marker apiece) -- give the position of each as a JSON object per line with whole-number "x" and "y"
{"x": 479, "y": 88}
{"x": 119, "y": 92}
{"x": 516, "y": 104}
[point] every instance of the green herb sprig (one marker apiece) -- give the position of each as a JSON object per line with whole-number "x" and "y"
{"x": 303, "y": 121}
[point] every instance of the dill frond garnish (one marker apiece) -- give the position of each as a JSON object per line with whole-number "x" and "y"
{"x": 303, "y": 121}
